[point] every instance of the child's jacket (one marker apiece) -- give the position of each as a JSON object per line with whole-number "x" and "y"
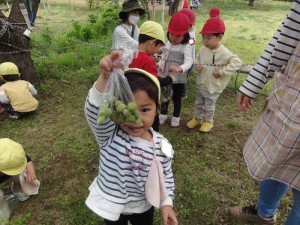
{"x": 19, "y": 94}
{"x": 221, "y": 59}
{"x": 177, "y": 55}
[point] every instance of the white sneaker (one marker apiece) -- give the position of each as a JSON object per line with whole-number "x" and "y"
{"x": 175, "y": 122}
{"x": 162, "y": 118}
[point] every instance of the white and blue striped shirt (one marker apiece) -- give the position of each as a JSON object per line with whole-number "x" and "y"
{"x": 276, "y": 54}
{"x": 124, "y": 160}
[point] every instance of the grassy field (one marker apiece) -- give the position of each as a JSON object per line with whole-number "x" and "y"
{"x": 210, "y": 173}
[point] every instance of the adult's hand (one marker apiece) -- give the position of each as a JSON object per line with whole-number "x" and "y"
{"x": 244, "y": 102}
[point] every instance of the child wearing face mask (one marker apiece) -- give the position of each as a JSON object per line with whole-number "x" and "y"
{"x": 214, "y": 65}
{"x": 126, "y": 34}
{"x": 177, "y": 59}
{"x": 135, "y": 173}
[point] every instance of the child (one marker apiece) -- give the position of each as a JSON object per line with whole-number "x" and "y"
{"x": 128, "y": 153}
{"x": 215, "y": 64}
{"x": 192, "y": 17}
{"x": 125, "y": 35}
{"x": 177, "y": 59}
{"x": 14, "y": 163}
{"x": 151, "y": 39}
{"x": 16, "y": 95}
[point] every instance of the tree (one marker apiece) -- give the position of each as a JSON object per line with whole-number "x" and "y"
{"x": 251, "y": 2}
{"x": 174, "y": 7}
{"x": 14, "y": 44}
{"x": 145, "y": 5}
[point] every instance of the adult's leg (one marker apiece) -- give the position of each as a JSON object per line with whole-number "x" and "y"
{"x": 270, "y": 194}
{"x": 145, "y": 218}
{"x": 294, "y": 216}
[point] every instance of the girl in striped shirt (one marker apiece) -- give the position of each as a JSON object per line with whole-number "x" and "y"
{"x": 135, "y": 173}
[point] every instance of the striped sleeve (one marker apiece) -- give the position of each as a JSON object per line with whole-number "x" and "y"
{"x": 276, "y": 54}
{"x": 104, "y": 131}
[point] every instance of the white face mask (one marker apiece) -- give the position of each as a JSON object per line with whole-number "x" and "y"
{"x": 133, "y": 19}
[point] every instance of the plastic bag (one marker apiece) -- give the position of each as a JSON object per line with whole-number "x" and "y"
{"x": 4, "y": 209}
{"x": 118, "y": 103}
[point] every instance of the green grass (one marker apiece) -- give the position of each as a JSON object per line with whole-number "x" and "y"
{"x": 210, "y": 173}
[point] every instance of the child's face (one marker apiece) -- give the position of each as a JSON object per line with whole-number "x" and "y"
{"x": 211, "y": 41}
{"x": 154, "y": 49}
{"x": 175, "y": 39}
{"x": 147, "y": 109}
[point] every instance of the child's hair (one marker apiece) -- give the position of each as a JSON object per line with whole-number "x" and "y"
{"x": 144, "y": 37}
{"x": 217, "y": 34}
{"x": 139, "y": 80}
{"x": 186, "y": 38}
{"x": 9, "y": 78}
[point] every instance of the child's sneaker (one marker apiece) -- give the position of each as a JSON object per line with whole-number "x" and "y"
{"x": 175, "y": 121}
{"x": 249, "y": 214}
{"x": 206, "y": 126}
{"x": 14, "y": 117}
{"x": 193, "y": 123}
{"x": 162, "y": 118}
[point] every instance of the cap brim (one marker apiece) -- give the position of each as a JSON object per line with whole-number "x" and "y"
{"x": 13, "y": 172}
{"x": 145, "y": 73}
{"x": 142, "y": 11}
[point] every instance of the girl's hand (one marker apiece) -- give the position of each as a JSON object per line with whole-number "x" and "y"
{"x": 176, "y": 69}
{"x": 30, "y": 173}
{"x": 109, "y": 62}
{"x": 169, "y": 216}
{"x": 198, "y": 67}
{"x": 216, "y": 73}
{"x": 243, "y": 102}
{"x": 30, "y": 177}
{"x": 173, "y": 77}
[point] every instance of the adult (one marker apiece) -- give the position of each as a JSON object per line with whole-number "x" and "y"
{"x": 272, "y": 152}
{"x": 126, "y": 34}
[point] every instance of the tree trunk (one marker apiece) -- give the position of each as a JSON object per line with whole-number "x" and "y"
{"x": 14, "y": 44}
{"x": 174, "y": 7}
{"x": 251, "y": 2}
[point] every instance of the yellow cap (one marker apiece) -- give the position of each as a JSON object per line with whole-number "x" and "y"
{"x": 151, "y": 76}
{"x": 12, "y": 157}
{"x": 153, "y": 29}
{"x": 8, "y": 68}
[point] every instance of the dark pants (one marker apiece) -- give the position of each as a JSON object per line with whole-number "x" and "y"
{"x": 12, "y": 113}
{"x": 155, "y": 124}
{"x": 145, "y": 218}
{"x": 176, "y": 98}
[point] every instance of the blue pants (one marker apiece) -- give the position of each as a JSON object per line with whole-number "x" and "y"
{"x": 271, "y": 192}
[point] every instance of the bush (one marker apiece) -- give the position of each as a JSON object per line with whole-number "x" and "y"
{"x": 97, "y": 26}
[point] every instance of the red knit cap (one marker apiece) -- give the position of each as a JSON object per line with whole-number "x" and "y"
{"x": 179, "y": 24}
{"x": 214, "y": 25}
{"x": 191, "y": 15}
{"x": 214, "y": 12}
{"x": 185, "y": 4}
